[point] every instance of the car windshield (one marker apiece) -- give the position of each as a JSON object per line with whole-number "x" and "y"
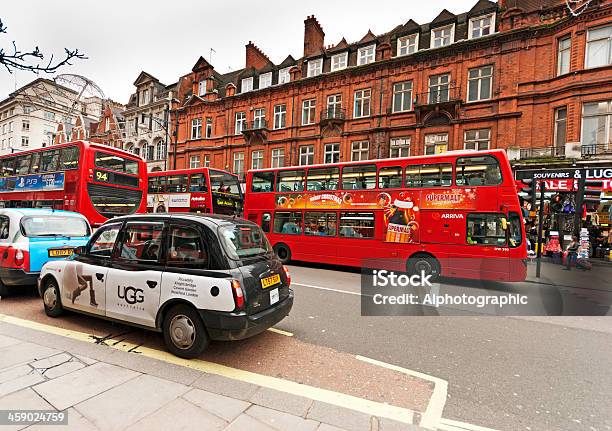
{"x": 240, "y": 241}
{"x": 54, "y": 225}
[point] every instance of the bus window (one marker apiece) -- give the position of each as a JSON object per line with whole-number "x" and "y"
{"x": 224, "y": 182}
{"x": 359, "y": 177}
{"x": 35, "y": 166}
{"x": 22, "y": 166}
{"x": 116, "y": 163}
{"x": 265, "y": 222}
{"x": 177, "y": 183}
{"x": 516, "y": 233}
{"x": 49, "y": 160}
{"x": 322, "y": 179}
{"x": 390, "y": 178}
{"x": 197, "y": 183}
{"x": 69, "y": 158}
{"x": 289, "y": 223}
{"x": 153, "y": 184}
{"x": 262, "y": 182}
{"x": 290, "y": 181}
{"x": 162, "y": 184}
{"x": 435, "y": 175}
{"x": 8, "y": 167}
{"x": 357, "y": 225}
{"x": 485, "y": 229}
{"x": 320, "y": 223}
{"x": 478, "y": 171}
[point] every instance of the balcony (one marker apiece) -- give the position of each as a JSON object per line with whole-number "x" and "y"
{"x": 594, "y": 150}
{"x": 438, "y": 108}
{"x": 333, "y": 115}
{"x": 440, "y": 97}
{"x": 542, "y": 153}
{"x": 256, "y": 130}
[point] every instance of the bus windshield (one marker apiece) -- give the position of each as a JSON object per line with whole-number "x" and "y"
{"x": 116, "y": 163}
{"x": 223, "y": 182}
{"x": 54, "y": 225}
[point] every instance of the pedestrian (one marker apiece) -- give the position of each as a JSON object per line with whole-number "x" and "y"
{"x": 572, "y": 252}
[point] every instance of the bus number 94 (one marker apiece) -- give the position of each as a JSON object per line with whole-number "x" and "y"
{"x": 101, "y": 176}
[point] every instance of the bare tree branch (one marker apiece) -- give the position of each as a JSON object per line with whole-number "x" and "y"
{"x": 32, "y": 61}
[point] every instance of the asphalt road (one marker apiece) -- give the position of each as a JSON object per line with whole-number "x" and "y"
{"x": 507, "y": 373}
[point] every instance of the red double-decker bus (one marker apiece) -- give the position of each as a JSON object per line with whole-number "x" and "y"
{"x": 95, "y": 180}
{"x": 200, "y": 190}
{"x": 454, "y": 214}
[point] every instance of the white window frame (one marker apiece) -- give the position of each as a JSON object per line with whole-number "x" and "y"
{"x": 194, "y": 162}
{"x": 306, "y": 151}
{"x": 480, "y": 18}
{"x": 206, "y": 161}
{"x": 436, "y": 143}
{"x": 309, "y": 111}
{"x": 606, "y": 121}
{"x": 280, "y": 116}
{"x": 589, "y": 44}
{"x": 246, "y": 85}
{"x": 238, "y": 165}
{"x": 438, "y": 85}
{"x": 441, "y": 37}
{"x": 399, "y": 146}
{"x": 202, "y": 87}
{"x": 366, "y": 54}
{"x": 479, "y": 82}
{"x": 257, "y": 156}
{"x": 107, "y": 124}
{"x": 259, "y": 118}
{"x": 25, "y": 125}
{"x": 361, "y": 109}
{"x": 402, "y": 90}
{"x": 27, "y": 109}
{"x": 240, "y": 122}
{"x": 162, "y": 150}
{"x": 277, "y": 158}
{"x": 25, "y": 141}
{"x": 196, "y": 128}
{"x": 359, "y": 149}
{"x": 209, "y": 128}
{"x": 315, "y": 67}
{"x": 339, "y": 61}
{"x": 146, "y": 98}
{"x": 332, "y": 151}
{"x": 334, "y": 104}
{"x": 284, "y": 76}
{"x": 558, "y": 121}
{"x": 265, "y": 80}
{"x": 408, "y": 44}
{"x": 564, "y": 55}
{"x": 480, "y": 136}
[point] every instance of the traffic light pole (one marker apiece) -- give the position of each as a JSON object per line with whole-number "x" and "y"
{"x": 579, "y": 202}
{"x": 540, "y": 222}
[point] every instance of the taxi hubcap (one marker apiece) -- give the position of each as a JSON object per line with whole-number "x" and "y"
{"x": 182, "y": 331}
{"x": 50, "y": 297}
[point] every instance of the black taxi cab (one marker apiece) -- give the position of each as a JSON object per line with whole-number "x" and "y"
{"x": 193, "y": 277}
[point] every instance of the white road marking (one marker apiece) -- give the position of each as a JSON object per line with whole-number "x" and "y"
{"x": 329, "y": 288}
{"x": 450, "y": 425}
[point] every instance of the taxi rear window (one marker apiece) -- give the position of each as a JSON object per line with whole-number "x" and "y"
{"x": 50, "y": 226}
{"x": 243, "y": 241}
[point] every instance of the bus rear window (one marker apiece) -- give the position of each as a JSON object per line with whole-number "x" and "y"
{"x": 478, "y": 171}
{"x": 50, "y": 226}
{"x": 116, "y": 163}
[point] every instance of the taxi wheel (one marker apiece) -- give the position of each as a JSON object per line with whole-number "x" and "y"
{"x": 51, "y": 298}
{"x": 184, "y": 332}
{"x": 283, "y": 253}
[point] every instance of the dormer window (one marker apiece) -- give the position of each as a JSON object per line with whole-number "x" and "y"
{"x": 284, "y": 76}
{"x": 202, "y": 87}
{"x": 247, "y": 85}
{"x": 442, "y": 36}
{"x": 315, "y": 67}
{"x": 265, "y": 80}
{"x": 339, "y": 61}
{"x": 481, "y": 26}
{"x": 407, "y": 44}
{"x": 146, "y": 97}
{"x": 366, "y": 54}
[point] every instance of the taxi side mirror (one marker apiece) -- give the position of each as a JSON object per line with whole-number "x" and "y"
{"x": 504, "y": 223}
{"x": 79, "y": 251}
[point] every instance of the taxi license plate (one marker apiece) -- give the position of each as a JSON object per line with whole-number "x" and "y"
{"x": 270, "y": 281}
{"x": 60, "y": 252}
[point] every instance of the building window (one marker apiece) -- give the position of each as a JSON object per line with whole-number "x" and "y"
{"x": 362, "y": 103}
{"x": 482, "y": 26}
{"x": 194, "y": 162}
{"x": 25, "y": 125}
{"x": 202, "y": 87}
{"x": 439, "y": 88}
{"x": 278, "y": 158}
{"x": 49, "y": 116}
{"x": 257, "y": 159}
{"x": 196, "y": 128}
{"x": 145, "y": 97}
{"x": 10, "y": 126}
{"x": 25, "y": 141}
{"x": 366, "y": 55}
{"x": 240, "y": 122}
{"x": 597, "y": 124}
{"x": 150, "y": 152}
{"x": 209, "y": 125}
{"x": 247, "y": 85}
{"x": 599, "y": 47}
{"x": 360, "y": 150}
{"x": 563, "y": 55}
{"x": 560, "y": 134}
{"x": 259, "y": 118}
{"x": 332, "y": 153}
{"x": 334, "y": 106}
{"x": 402, "y": 96}
{"x": 477, "y": 139}
{"x": 480, "y": 81}
{"x": 308, "y": 112}
{"x": 284, "y": 76}
{"x": 339, "y": 61}
{"x": 442, "y": 36}
{"x": 162, "y": 150}
{"x": 27, "y": 109}
{"x": 238, "y": 163}
{"x": 307, "y": 155}
{"x": 265, "y": 80}
{"x": 206, "y": 160}
{"x": 280, "y": 116}
{"x": 407, "y": 44}
{"x": 436, "y": 143}
{"x": 399, "y": 147}
{"x": 315, "y": 67}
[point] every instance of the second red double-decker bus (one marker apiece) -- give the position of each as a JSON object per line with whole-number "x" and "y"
{"x": 456, "y": 214}
{"x": 95, "y": 180}
{"x": 200, "y": 190}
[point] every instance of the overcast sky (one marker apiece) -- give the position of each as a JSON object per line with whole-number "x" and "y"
{"x": 165, "y": 38}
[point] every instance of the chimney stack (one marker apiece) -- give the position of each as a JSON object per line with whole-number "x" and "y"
{"x": 255, "y": 57}
{"x": 314, "y": 36}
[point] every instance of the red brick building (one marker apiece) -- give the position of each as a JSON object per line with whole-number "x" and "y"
{"x": 111, "y": 127}
{"x": 523, "y": 75}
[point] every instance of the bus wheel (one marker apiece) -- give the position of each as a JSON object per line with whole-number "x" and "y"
{"x": 51, "y": 298}
{"x": 283, "y": 253}
{"x": 424, "y": 263}
{"x": 184, "y": 332}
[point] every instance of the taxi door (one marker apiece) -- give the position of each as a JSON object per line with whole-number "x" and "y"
{"x": 133, "y": 282}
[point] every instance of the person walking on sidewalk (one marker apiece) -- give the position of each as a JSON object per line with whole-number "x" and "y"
{"x": 572, "y": 253}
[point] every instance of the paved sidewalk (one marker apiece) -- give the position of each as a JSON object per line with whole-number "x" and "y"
{"x": 102, "y": 388}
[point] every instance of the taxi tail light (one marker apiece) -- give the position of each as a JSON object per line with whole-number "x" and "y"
{"x": 238, "y": 294}
{"x": 19, "y": 257}
{"x": 288, "y": 275}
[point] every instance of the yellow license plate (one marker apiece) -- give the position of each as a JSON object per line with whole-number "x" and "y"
{"x": 270, "y": 281}
{"x": 60, "y": 252}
